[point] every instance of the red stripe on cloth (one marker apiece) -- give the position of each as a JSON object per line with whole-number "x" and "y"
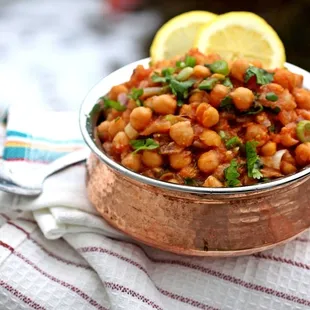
{"x": 302, "y": 239}
{"x": 63, "y": 283}
{"x": 282, "y": 260}
{"x": 64, "y": 260}
{"x": 128, "y": 291}
{"x": 28, "y": 301}
{"x": 180, "y": 298}
{"x": 19, "y": 228}
{"x": 5, "y": 245}
{"x": 225, "y": 277}
{"x": 4, "y": 216}
{"x": 26, "y": 220}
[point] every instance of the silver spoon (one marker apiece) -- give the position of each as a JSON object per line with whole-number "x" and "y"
{"x": 32, "y": 184}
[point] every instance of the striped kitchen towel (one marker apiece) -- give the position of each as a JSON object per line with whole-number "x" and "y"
{"x": 98, "y": 268}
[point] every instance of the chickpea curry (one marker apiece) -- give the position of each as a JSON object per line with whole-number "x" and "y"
{"x": 201, "y": 121}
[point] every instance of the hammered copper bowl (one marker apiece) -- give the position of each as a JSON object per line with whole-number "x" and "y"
{"x": 191, "y": 220}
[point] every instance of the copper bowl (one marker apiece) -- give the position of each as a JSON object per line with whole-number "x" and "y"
{"x": 191, "y": 220}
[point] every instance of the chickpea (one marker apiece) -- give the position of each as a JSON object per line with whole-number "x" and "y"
{"x": 288, "y": 157}
{"x": 187, "y": 110}
{"x": 257, "y": 133}
{"x": 189, "y": 172}
{"x": 116, "y": 90}
{"x": 207, "y": 115}
{"x": 238, "y": 69}
{"x": 182, "y": 133}
{"x": 303, "y": 154}
{"x": 180, "y": 160}
{"x": 132, "y": 161}
{"x": 286, "y": 117}
{"x": 288, "y": 135}
{"x": 152, "y": 159}
{"x": 164, "y": 104}
{"x": 287, "y": 168}
{"x": 140, "y": 117}
{"x": 103, "y": 131}
{"x": 199, "y": 96}
{"x": 201, "y": 71}
{"x": 120, "y": 142}
{"x": 218, "y": 93}
{"x": 211, "y": 181}
{"x": 269, "y": 149}
{"x": 210, "y": 138}
{"x": 302, "y": 97}
{"x": 287, "y": 79}
{"x": 116, "y": 126}
{"x": 242, "y": 98}
{"x": 208, "y": 161}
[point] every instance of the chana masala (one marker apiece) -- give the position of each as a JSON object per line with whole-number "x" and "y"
{"x": 201, "y": 121}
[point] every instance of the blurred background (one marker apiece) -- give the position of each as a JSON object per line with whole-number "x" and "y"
{"x": 52, "y": 52}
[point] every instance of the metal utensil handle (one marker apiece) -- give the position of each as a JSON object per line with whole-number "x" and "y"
{"x": 65, "y": 161}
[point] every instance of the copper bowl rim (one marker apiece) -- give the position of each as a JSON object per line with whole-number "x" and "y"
{"x": 121, "y": 76}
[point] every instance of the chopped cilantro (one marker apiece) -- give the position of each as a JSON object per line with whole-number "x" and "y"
{"x": 232, "y": 174}
{"x": 253, "y": 161}
{"x": 148, "y": 144}
{"x": 180, "y": 89}
{"x": 255, "y": 109}
{"x": 226, "y": 104}
{"x": 135, "y": 94}
{"x": 227, "y": 82}
{"x": 111, "y": 104}
{"x": 233, "y": 142}
{"x": 167, "y": 72}
{"x": 190, "y": 61}
{"x": 189, "y": 181}
{"x": 262, "y": 76}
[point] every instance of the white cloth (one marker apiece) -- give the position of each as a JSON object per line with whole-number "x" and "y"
{"x": 95, "y": 267}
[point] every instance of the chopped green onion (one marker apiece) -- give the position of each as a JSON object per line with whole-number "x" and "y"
{"x": 303, "y": 131}
{"x": 208, "y": 84}
{"x": 190, "y": 61}
{"x": 223, "y": 135}
{"x": 185, "y": 74}
{"x": 180, "y": 64}
{"x": 135, "y": 94}
{"x": 272, "y": 97}
{"x": 219, "y": 66}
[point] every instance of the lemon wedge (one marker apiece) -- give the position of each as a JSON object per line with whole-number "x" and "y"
{"x": 242, "y": 35}
{"x": 177, "y": 36}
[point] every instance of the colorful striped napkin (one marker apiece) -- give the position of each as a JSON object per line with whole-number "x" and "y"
{"x": 92, "y": 266}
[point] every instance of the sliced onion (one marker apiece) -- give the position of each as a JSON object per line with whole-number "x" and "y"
{"x": 154, "y": 91}
{"x": 273, "y": 161}
{"x": 131, "y": 132}
{"x": 122, "y": 99}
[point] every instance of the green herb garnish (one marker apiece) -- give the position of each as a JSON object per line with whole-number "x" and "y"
{"x": 156, "y": 78}
{"x": 168, "y": 72}
{"x": 180, "y": 89}
{"x": 223, "y": 135}
{"x": 111, "y": 104}
{"x": 253, "y": 161}
{"x": 208, "y": 84}
{"x": 272, "y": 97}
{"x": 135, "y": 94}
{"x": 226, "y": 104}
{"x": 190, "y": 61}
{"x": 189, "y": 181}
{"x": 262, "y": 76}
{"x": 148, "y": 144}
{"x": 255, "y": 109}
{"x": 227, "y": 82}
{"x": 219, "y": 66}
{"x": 233, "y": 142}
{"x": 232, "y": 174}
{"x": 303, "y": 131}
{"x": 272, "y": 128}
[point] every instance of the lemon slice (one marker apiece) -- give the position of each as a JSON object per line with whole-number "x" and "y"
{"x": 178, "y": 35}
{"x": 242, "y": 35}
